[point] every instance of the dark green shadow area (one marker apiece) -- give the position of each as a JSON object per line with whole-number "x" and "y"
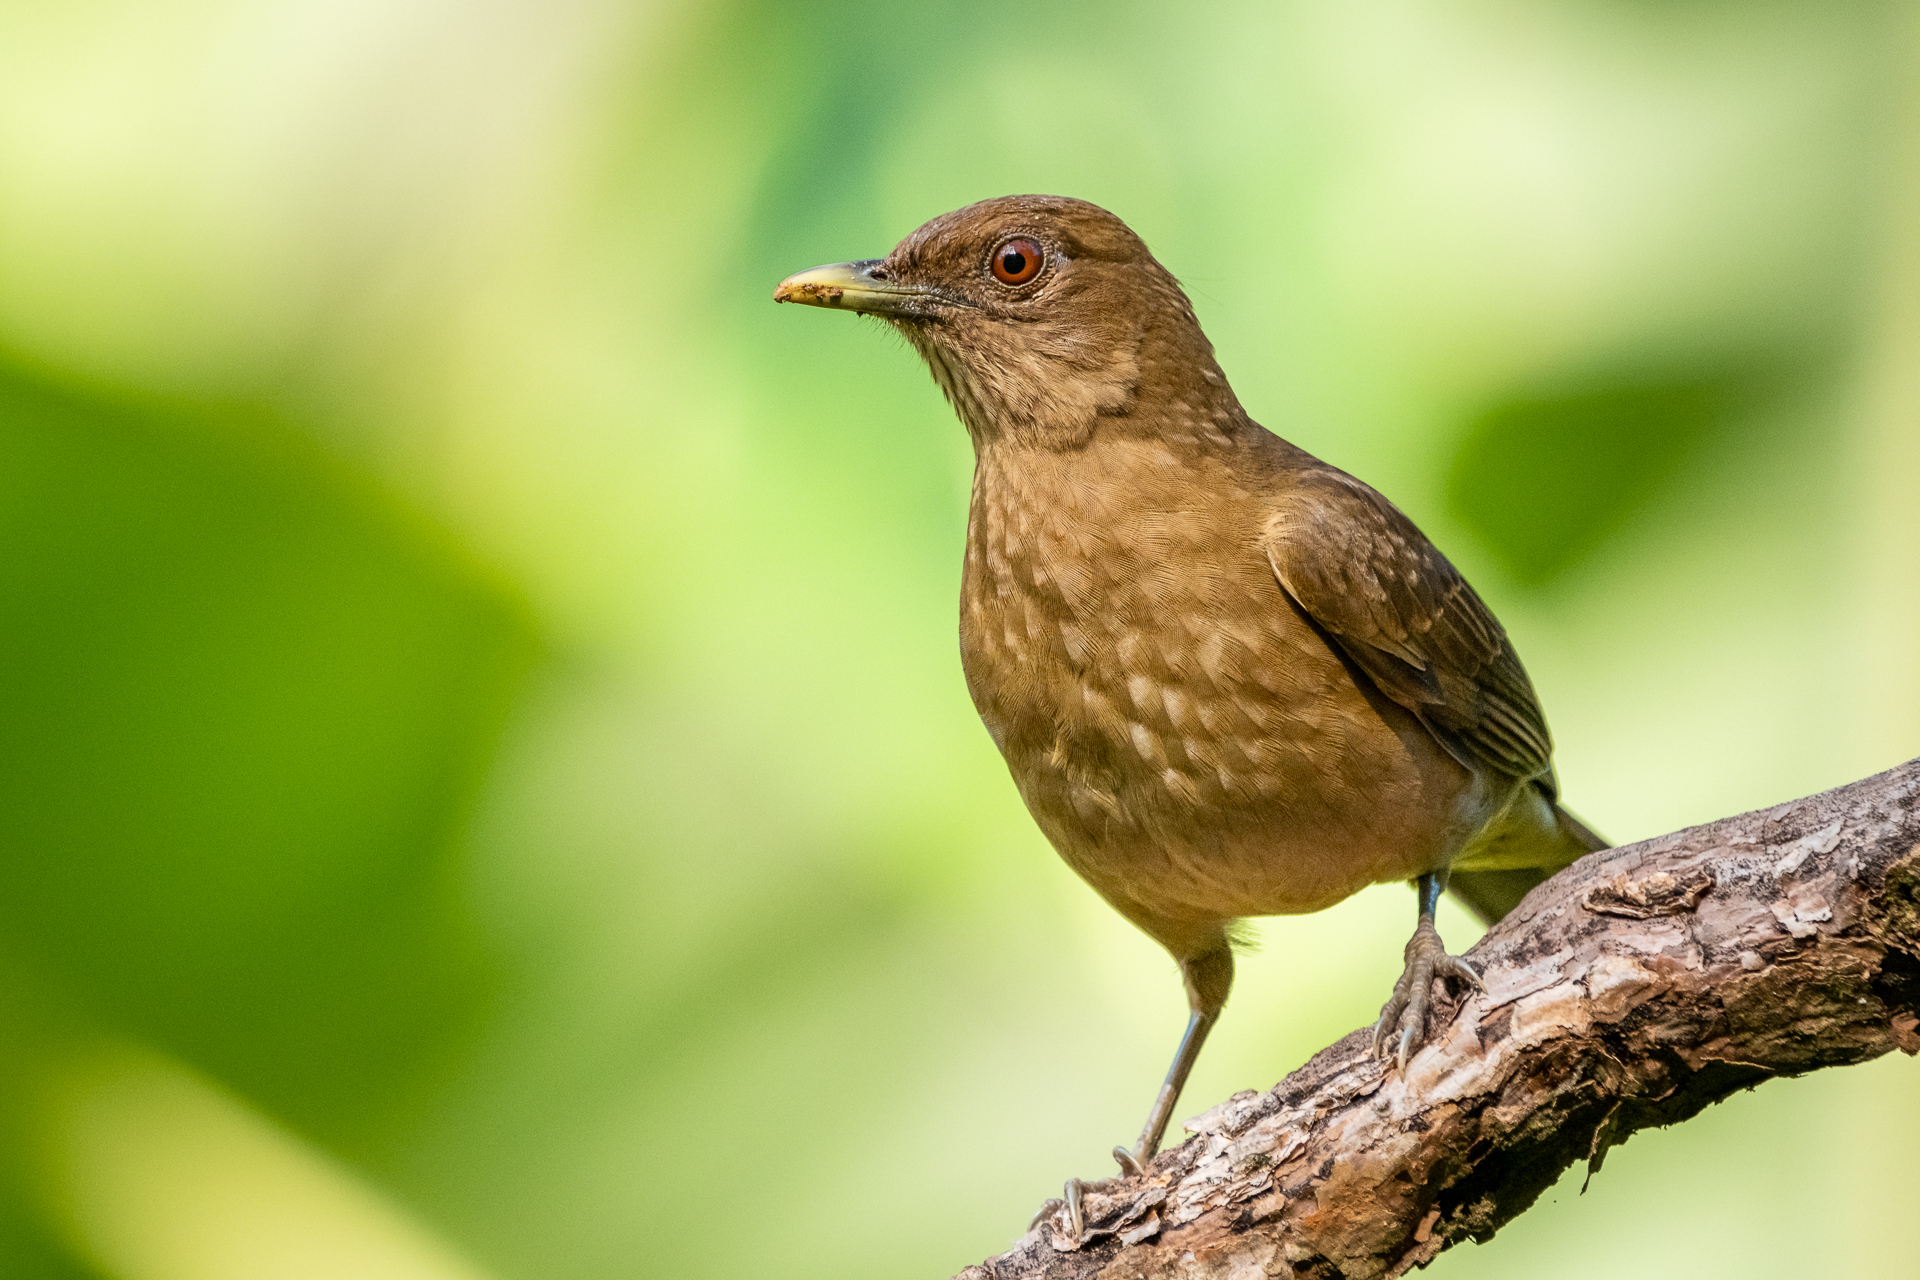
{"x": 246, "y": 703}
{"x": 27, "y": 1250}
{"x": 1544, "y": 477}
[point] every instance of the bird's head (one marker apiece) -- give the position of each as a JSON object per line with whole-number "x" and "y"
{"x": 1040, "y": 316}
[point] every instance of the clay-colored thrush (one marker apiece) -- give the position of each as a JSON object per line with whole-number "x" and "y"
{"x": 1229, "y": 679}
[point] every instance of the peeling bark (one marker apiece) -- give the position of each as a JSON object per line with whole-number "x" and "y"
{"x": 1634, "y": 989}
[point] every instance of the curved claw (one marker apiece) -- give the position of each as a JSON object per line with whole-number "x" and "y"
{"x": 1389, "y": 1018}
{"x": 1075, "y": 1192}
{"x": 1455, "y": 967}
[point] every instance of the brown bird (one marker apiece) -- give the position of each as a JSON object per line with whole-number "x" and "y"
{"x": 1229, "y": 679}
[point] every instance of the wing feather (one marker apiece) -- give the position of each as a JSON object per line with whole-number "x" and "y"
{"x": 1404, "y": 615}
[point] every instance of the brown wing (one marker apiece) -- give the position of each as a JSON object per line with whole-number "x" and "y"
{"x": 1405, "y": 616}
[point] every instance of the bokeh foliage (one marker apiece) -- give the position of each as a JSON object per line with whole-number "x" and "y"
{"x": 248, "y": 704}
{"x": 479, "y": 717}
{"x": 1544, "y": 478}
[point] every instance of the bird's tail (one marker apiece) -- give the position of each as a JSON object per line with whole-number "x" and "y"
{"x": 1524, "y": 850}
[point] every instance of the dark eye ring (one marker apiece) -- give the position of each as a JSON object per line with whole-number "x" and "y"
{"x": 1017, "y": 261}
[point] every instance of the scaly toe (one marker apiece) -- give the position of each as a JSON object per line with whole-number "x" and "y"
{"x": 1402, "y": 1028}
{"x": 1389, "y": 1022}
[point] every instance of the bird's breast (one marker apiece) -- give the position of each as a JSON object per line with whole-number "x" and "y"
{"x": 1117, "y": 647}
{"x": 1155, "y": 696}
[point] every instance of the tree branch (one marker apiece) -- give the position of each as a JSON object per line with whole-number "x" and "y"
{"x": 1633, "y": 989}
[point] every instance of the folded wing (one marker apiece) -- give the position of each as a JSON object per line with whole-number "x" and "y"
{"x": 1380, "y": 591}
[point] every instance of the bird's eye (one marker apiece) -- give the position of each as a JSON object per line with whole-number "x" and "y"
{"x": 1016, "y": 261}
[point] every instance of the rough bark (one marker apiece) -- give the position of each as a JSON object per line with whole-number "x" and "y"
{"x": 1633, "y": 989}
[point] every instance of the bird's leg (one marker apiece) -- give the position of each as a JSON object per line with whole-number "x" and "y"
{"x": 1209, "y": 977}
{"x": 1133, "y": 1163}
{"x": 1403, "y": 1019}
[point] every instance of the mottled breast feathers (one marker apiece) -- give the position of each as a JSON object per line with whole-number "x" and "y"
{"x": 1400, "y": 611}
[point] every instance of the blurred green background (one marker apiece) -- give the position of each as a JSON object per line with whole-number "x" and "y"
{"x": 486, "y": 788}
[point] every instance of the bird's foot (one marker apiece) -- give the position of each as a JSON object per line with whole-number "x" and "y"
{"x": 1403, "y": 1019}
{"x": 1073, "y": 1199}
{"x": 1073, "y": 1196}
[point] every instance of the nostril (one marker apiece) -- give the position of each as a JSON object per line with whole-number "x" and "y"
{"x": 877, "y": 272}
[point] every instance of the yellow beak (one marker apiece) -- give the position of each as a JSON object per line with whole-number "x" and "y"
{"x": 852, "y": 286}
